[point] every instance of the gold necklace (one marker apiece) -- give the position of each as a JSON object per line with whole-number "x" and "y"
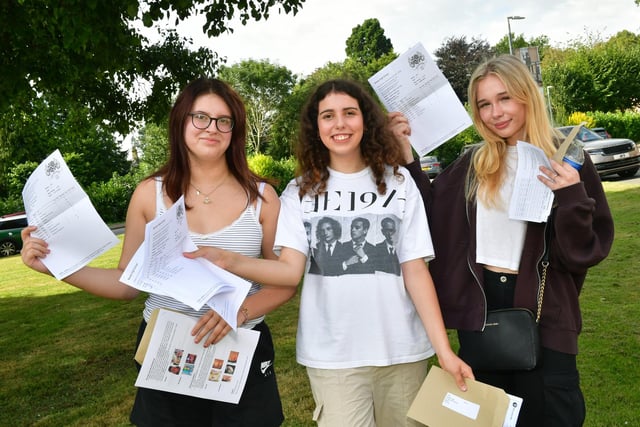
{"x": 207, "y": 200}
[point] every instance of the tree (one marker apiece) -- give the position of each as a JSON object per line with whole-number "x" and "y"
{"x": 517, "y": 42}
{"x": 457, "y": 59}
{"x": 595, "y": 76}
{"x": 367, "y": 42}
{"x": 502, "y": 46}
{"x": 29, "y": 133}
{"x": 90, "y": 54}
{"x": 151, "y": 148}
{"x": 264, "y": 87}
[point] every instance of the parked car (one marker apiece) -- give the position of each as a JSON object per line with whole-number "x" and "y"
{"x": 10, "y": 227}
{"x": 431, "y": 166}
{"x": 602, "y": 132}
{"x": 610, "y": 156}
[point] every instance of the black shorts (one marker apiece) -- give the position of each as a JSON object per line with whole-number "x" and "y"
{"x": 259, "y": 404}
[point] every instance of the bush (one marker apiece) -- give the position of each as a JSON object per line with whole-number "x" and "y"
{"x": 579, "y": 117}
{"x": 450, "y": 150}
{"x": 619, "y": 124}
{"x": 280, "y": 171}
{"x": 10, "y": 205}
{"x": 111, "y": 198}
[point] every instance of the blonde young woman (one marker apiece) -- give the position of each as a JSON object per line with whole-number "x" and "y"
{"x": 227, "y": 206}
{"x": 365, "y": 333}
{"x": 487, "y": 261}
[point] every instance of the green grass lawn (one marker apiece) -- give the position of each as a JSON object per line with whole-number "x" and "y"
{"x": 67, "y": 357}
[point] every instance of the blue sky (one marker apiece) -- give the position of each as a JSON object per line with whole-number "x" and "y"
{"x": 317, "y": 34}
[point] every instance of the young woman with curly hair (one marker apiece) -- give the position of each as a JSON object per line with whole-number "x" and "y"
{"x": 364, "y": 332}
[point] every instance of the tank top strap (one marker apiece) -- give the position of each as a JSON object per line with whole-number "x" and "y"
{"x": 259, "y": 201}
{"x": 160, "y": 208}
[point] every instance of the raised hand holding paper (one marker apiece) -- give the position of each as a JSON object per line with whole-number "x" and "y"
{"x": 65, "y": 217}
{"x": 414, "y": 85}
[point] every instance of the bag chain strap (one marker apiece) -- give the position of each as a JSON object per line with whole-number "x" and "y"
{"x": 543, "y": 282}
{"x": 545, "y": 264}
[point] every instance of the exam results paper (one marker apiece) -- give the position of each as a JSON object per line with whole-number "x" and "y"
{"x": 171, "y": 360}
{"x": 414, "y": 85}
{"x": 65, "y": 217}
{"x": 531, "y": 199}
{"x": 159, "y": 267}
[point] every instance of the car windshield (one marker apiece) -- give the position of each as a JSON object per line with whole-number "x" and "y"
{"x": 584, "y": 135}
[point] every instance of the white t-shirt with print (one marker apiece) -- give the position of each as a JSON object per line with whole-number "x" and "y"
{"x": 358, "y": 315}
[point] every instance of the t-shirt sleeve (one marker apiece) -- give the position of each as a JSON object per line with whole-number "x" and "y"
{"x": 291, "y": 232}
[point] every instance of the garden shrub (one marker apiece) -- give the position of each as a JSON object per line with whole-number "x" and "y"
{"x": 111, "y": 198}
{"x": 280, "y": 171}
{"x": 624, "y": 124}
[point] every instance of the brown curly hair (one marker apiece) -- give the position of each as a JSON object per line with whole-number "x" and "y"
{"x": 378, "y": 146}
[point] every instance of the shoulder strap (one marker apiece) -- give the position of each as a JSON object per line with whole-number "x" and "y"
{"x": 160, "y": 208}
{"x": 259, "y": 201}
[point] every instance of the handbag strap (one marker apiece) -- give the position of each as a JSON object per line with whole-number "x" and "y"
{"x": 543, "y": 282}
{"x": 545, "y": 265}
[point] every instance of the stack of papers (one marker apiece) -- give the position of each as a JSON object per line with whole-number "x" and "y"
{"x": 171, "y": 361}
{"x": 159, "y": 267}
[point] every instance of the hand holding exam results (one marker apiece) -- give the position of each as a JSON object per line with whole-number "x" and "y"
{"x": 158, "y": 266}
{"x": 414, "y": 85}
{"x": 75, "y": 233}
{"x": 65, "y": 217}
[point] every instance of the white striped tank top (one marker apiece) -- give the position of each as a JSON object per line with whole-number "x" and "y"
{"x": 243, "y": 236}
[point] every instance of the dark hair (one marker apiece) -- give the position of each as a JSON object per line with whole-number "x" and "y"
{"x": 388, "y": 220}
{"x": 335, "y": 226}
{"x": 365, "y": 222}
{"x": 378, "y": 146}
{"x": 176, "y": 173}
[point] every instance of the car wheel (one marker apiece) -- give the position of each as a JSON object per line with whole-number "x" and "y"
{"x": 628, "y": 173}
{"x": 8, "y": 248}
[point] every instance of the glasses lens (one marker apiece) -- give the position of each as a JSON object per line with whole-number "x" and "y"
{"x": 224, "y": 124}
{"x": 201, "y": 121}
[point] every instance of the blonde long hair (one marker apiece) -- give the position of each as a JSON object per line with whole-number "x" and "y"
{"x": 487, "y": 169}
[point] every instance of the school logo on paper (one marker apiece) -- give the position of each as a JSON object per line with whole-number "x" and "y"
{"x": 416, "y": 60}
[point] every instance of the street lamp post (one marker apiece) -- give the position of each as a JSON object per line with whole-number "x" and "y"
{"x": 549, "y": 103}
{"x": 509, "y": 18}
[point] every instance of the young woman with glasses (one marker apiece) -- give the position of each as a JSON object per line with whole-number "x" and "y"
{"x": 227, "y": 206}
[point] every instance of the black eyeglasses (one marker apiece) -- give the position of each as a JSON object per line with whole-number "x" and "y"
{"x": 202, "y": 121}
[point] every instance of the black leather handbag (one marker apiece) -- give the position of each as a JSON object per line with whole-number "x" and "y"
{"x": 509, "y": 342}
{"x": 510, "y": 339}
